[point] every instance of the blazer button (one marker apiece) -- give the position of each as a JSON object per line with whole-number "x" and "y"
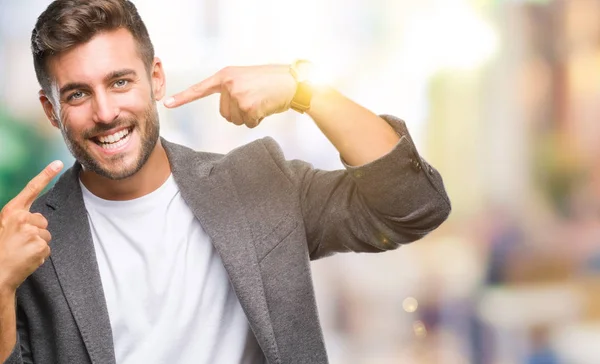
{"x": 415, "y": 164}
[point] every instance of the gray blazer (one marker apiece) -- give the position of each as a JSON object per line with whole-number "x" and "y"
{"x": 267, "y": 218}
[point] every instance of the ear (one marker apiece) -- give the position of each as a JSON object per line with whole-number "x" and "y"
{"x": 157, "y": 77}
{"x": 48, "y": 108}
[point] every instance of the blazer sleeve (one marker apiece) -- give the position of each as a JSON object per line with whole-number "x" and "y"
{"x": 394, "y": 200}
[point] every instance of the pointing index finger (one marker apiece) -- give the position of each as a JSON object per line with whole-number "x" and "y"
{"x": 26, "y": 197}
{"x": 202, "y": 89}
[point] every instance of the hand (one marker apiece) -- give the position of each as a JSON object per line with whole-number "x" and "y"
{"x": 23, "y": 235}
{"x": 248, "y": 94}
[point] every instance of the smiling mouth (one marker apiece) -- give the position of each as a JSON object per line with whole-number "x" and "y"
{"x": 115, "y": 140}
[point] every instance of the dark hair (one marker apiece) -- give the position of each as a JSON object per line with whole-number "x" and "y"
{"x": 68, "y": 23}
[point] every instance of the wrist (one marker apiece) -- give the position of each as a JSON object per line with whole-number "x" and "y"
{"x": 7, "y": 295}
{"x": 7, "y": 291}
{"x": 323, "y": 97}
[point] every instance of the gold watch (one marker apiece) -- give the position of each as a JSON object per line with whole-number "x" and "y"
{"x": 301, "y": 71}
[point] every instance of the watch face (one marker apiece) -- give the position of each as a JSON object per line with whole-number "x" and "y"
{"x": 304, "y": 70}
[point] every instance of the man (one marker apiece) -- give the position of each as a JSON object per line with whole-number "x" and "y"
{"x": 165, "y": 255}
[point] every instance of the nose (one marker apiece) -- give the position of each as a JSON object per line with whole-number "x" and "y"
{"x": 105, "y": 109}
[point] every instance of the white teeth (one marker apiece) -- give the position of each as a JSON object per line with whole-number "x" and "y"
{"x": 113, "y": 137}
{"x": 118, "y": 144}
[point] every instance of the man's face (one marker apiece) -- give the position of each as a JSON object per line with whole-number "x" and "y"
{"x": 105, "y": 103}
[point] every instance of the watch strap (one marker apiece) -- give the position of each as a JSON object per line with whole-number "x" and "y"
{"x": 303, "y": 95}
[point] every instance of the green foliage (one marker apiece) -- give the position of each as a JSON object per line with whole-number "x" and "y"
{"x": 24, "y": 152}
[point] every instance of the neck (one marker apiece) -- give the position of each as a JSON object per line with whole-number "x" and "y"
{"x": 151, "y": 176}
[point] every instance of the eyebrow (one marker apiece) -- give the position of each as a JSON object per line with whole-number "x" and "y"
{"x": 111, "y": 76}
{"x": 119, "y": 74}
{"x": 72, "y": 86}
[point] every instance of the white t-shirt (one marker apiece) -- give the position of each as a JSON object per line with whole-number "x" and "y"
{"x": 168, "y": 295}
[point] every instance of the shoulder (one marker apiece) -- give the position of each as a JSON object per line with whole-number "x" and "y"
{"x": 264, "y": 147}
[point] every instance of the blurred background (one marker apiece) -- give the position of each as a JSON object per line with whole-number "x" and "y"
{"x": 502, "y": 96}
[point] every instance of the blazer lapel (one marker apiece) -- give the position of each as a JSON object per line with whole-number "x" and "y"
{"x": 212, "y": 197}
{"x": 74, "y": 260}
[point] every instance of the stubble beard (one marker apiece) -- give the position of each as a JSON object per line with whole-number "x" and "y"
{"x": 148, "y": 138}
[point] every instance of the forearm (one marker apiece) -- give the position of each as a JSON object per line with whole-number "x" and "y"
{"x": 8, "y": 324}
{"x": 358, "y": 134}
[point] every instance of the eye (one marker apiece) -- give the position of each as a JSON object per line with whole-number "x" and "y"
{"x": 76, "y": 95}
{"x": 121, "y": 83}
